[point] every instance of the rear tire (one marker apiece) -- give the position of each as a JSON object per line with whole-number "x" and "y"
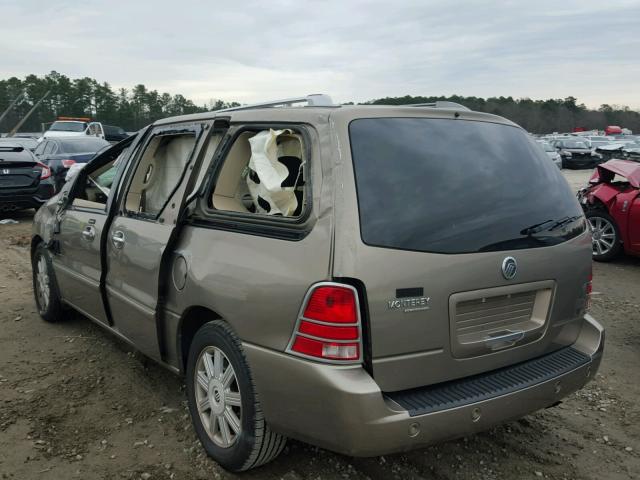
{"x": 605, "y": 237}
{"x": 223, "y": 403}
{"x": 45, "y": 287}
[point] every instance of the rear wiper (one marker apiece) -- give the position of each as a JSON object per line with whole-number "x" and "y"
{"x": 534, "y": 228}
{"x": 564, "y": 221}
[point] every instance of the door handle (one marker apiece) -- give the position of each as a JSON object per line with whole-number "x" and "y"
{"x": 118, "y": 239}
{"x": 89, "y": 233}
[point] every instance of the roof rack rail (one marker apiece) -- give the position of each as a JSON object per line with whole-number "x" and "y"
{"x": 314, "y": 100}
{"x": 441, "y": 104}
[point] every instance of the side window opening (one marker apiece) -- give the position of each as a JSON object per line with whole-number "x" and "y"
{"x": 158, "y": 173}
{"x": 263, "y": 173}
{"x": 97, "y": 188}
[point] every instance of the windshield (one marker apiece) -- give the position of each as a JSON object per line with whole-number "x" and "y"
{"x": 82, "y": 145}
{"x": 68, "y": 127}
{"x": 453, "y": 186}
{"x": 574, "y": 144}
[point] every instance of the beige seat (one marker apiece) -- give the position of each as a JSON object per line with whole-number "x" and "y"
{"x": 231, "y": 186}
{"x": 159, "y": 172}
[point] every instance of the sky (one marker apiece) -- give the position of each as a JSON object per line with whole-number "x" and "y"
{"x": 249, "y": 51}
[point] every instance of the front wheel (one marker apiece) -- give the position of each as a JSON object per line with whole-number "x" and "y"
{"x": 45, "y": 287}
{"x": 224, "y": 407}
{"x": 605, "y": 237}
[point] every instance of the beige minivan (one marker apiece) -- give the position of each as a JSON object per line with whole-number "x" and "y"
{"x": 368, "y": 279}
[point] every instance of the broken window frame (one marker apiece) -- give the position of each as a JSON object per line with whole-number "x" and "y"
{"x": 290, "y": 228}
{"x": 193, "y": 129}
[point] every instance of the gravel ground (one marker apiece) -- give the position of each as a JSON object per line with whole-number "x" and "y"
{"x": 77, "y": 403}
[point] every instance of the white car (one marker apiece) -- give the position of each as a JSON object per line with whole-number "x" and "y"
{"x": 74, "y": 128}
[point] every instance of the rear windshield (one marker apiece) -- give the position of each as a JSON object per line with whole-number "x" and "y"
{"x": 84, "y": 145}
{"x": 455, "y": 186}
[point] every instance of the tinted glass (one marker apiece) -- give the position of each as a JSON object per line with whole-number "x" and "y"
{"x": 82, "y": 145}
{"x": 454, "y": 186}
{"x": 574, "y": 144}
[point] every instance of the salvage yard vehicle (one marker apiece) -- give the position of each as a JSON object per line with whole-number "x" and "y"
{"x": 74, "y": 127}
{"x": 28, "y": 143}
{"x": 307, "y": 269}
{"x": 612, "y": 207}
{"x": 59, "y": 154}
{"x": 24, "y": 182}
{"x": 551, "y": 152}
{"x": 576, "y": 153}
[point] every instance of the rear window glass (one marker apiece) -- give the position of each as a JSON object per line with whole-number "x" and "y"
{"x": 456, "y": 186}
{"x": 84, "y": 145}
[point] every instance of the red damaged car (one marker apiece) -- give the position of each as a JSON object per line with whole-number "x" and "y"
{"x": 611, "y": 204}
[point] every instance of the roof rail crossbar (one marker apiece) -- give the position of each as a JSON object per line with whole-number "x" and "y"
{"x": 442, "y": 104}
{"x": 314, "y": 100}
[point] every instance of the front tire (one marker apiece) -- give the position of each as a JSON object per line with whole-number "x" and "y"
{"x": 223, "y": 403}
{"x": 605, "y": 237}
{"x": 45, "y": 287}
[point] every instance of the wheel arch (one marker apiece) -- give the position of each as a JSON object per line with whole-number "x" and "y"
{"x": 192, "y": 319}
{"x": 35, "y": 241}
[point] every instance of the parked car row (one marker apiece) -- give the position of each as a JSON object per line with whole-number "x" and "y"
{"x": 587, "y": 151}
{"x": 29, "y": 178}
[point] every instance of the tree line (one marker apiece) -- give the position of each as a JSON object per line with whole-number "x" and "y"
{"x": 85, "y": 97}
{"x": 134, "y": 108}
{"x": 538, "y": 116}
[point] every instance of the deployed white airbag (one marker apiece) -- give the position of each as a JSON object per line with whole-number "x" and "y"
{"x": 265, "y": 187}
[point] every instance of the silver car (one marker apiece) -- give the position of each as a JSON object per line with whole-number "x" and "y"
{"x": 551, "y": 152}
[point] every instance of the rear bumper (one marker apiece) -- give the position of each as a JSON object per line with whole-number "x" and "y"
{"x": 17, "y": 200}
{"x": 342, "y": 408}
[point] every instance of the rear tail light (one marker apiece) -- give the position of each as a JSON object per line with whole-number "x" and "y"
{"x": 329, "y": 325}
{"x": 68, "y": 163}
{"x": 45, "y": 172}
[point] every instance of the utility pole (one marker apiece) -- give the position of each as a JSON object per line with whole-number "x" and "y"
{"x": 24, "y": 119}
{"x": 10, "y": 107}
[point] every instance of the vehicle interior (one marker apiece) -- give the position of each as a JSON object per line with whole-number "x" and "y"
{"x": 239, "y": 186}
{"x": 97, "y": 187}
{"x": 159, "y": 172}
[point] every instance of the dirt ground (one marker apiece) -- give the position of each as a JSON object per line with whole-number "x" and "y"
{"x": 77, "y": 403}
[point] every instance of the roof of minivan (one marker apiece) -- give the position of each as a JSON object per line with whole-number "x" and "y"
{"x": 315, "y": 114}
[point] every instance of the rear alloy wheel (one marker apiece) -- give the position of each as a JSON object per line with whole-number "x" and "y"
{"x": 605, "y": 237}
{"x": 223, "y": 402}
{"x": 218, "y": 397}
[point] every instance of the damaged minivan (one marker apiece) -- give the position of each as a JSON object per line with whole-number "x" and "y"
{"x": 367, "y": 279}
